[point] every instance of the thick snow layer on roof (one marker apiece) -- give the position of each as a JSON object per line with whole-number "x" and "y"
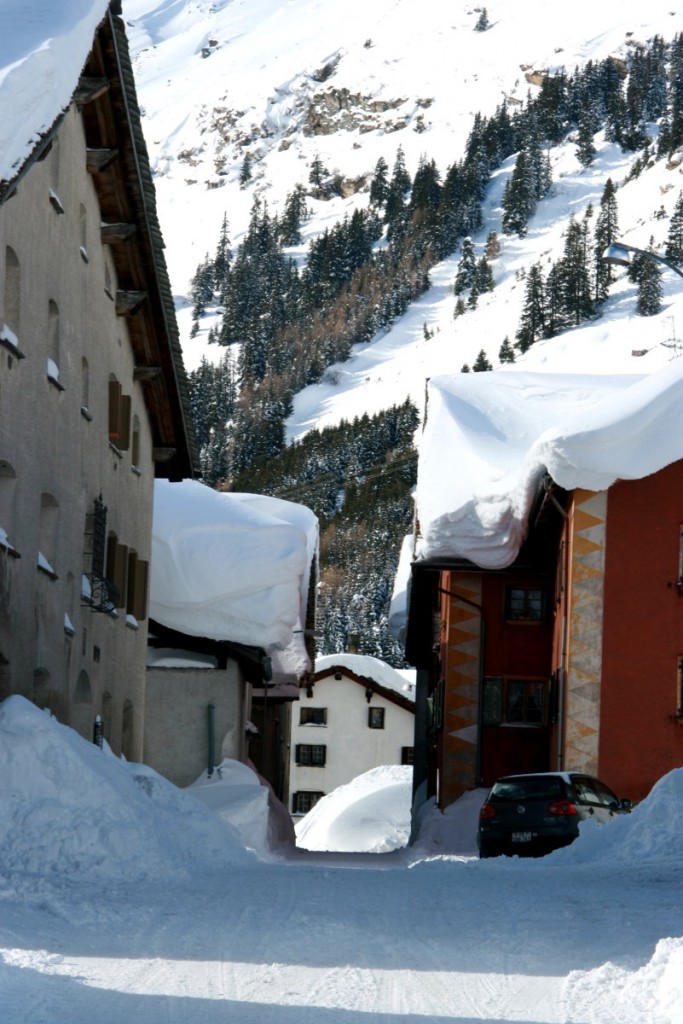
{"x": 232, "y": 567}
{"x": 490, "y": 437}
{"x": 400, "y": 680}
{"x": 43, "y": 47}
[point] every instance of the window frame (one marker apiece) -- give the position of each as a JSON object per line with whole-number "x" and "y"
{"x": 525, "y": 616}
{"x": 306, "y": 757}
{"x": 315, "y": 716}
{"x": 527, "y": 682}
{"x": 377, "y": 713}
{"x": 315, "y": 794}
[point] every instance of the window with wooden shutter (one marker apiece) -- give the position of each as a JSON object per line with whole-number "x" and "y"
{"x": 138, "y": 575}
{"x": 124, "y": 423}
{"x": 117, "y": 571}
{"x": 114, "y": 410}
{"x": 119, "y": 416}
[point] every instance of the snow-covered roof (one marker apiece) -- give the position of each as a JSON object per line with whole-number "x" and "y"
{"x": 401, "y": 681}
{"x": 490, "y": 437}
{"x": 233, "y": 567}
{"x": 43, "y": 47}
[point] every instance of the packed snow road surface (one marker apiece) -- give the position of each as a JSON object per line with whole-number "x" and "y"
{"x": 125, "y": 899}
{"x": 298, "y": 943}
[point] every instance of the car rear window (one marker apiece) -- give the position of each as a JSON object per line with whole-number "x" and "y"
{"x": 543, "y": 788}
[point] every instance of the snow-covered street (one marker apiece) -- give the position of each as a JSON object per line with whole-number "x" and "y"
{"x": 334, "y": 942}
{"x": 124, "y": 899}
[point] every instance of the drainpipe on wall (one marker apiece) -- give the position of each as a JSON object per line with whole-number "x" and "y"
{"x": 211, "y": 718}
{"x": 420, "y": 780}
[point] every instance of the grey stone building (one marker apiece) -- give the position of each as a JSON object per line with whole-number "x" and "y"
{"x": 93, "y": 397}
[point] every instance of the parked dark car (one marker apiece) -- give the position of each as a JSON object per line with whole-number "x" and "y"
{"x": 530, "y": 815}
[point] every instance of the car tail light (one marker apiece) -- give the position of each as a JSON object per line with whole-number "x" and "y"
{"x": 562, "y": 807}
{"x": 487, "y": 811}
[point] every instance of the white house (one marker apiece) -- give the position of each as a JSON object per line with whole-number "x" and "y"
{"x": 356, "y": 713}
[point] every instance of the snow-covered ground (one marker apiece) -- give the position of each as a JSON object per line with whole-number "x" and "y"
{"x": 125, "y": 899}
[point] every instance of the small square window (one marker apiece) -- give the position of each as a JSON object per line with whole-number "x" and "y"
{"x": 525, "y": 701}
{"x": 525, "y": 604}
{"x": 312, "y": 755}
{"x": 376, "y": 718}
{"x": 312, "y": 716}
{"x": 407, "y": 755}
{"x": 304, "y": 801}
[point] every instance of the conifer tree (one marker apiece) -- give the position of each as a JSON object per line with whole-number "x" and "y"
{"x": 426, "y": 192}
{"x": 400, "y": 179}
{"x": 294, "y": 213}
{"x": 532, "y": 324}
{"x": 518, "y": 199}
{"x": 649, "y": 285}
{"x": 539, "y": 174}
{"x": 318, "y": 172}
{"x": 201, "y": 291}
{"x": 506, "y": 353}
{"x": 606, "y": 233}
{"x": 222, "y": 259}
{"x": 395, "y": 209}
{"x": 554, "y": 302}
{"x": 483, "y": 277}
{"x": 482, "y": 21}
{"x": 664, "y": 137}
{"x": 585, "y": 149}
{"x": 674, "y": 241}
{"x": 575, "y": 274}
{"x": 379, "y": 186}
{"x": 245, "y": 171}
{"x": 467, "y": 267}
{"x": 481, "y": 363}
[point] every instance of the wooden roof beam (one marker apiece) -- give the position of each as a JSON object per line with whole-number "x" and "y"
{"x": 97, "y": 160}
{"x": 112, "y": 233}
{"x": 129, "y": 302}
{"x": 89, "y": 89}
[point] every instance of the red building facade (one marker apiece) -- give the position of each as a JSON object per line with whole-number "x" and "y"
{"x": 570, "y": 658}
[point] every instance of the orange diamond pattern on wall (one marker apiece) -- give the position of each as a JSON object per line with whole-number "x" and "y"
{"x": 461, "y": 686}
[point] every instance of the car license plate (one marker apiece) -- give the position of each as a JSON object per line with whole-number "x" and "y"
{"x": 522, "y": 837}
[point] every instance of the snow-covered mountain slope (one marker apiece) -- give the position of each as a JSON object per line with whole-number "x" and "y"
{"x": 289, "y": 81}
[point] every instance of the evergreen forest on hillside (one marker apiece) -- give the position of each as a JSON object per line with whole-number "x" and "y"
{"x": 283, "y": 325}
